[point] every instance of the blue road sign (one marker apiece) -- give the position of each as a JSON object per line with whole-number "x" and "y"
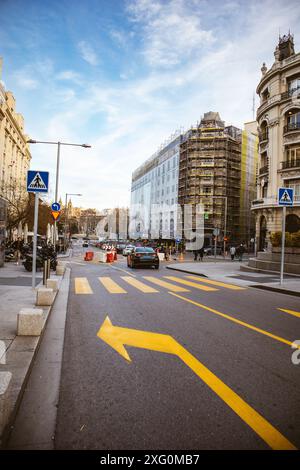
{"x": 55, "y": 206}
{"x": 37, "y": 181}
{"x": 285, "y": 196}
{"x": 178, "y": 240}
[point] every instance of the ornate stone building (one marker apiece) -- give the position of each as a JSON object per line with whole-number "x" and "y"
{"x": 278, "y": 118}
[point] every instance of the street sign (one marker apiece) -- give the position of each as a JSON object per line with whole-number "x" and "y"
{"x": 285, "y": 196}
{"x": 178, "y": 240}
{"x": 55, "y": 214}
{"x": 37, "y": 181}
{"x": 55, "y": 206}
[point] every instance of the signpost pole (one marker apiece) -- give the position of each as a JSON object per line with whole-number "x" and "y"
{"x": 215, "y": 250}
{"x": 35, "y": 230}
{"x": 282, "y": 243}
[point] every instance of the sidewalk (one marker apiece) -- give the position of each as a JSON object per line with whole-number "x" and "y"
{"x": 16, "y": 352}
{"x": 228, "y": 271}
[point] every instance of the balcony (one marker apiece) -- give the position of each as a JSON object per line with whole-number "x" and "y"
{"x": 290, "y": 164}
{"x": 263, "y": 136}
{"x": 291, "y": 94}
{"x": 291, "y": 127}
{"x": 264, "y": 170}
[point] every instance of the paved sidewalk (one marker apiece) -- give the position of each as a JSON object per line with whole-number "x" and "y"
{"x": 18, "y": 352}
{"x": 228, "y": 271}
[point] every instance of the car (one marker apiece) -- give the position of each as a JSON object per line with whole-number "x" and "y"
{"x": 143, "y": 256}
{"x": 210, "y": 250}
{"x": 128, "y": 249}
{"x": 120, "y": 247}
{"x": 85, "y": 244}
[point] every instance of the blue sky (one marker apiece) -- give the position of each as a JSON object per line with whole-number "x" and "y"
{"x": 124, "y": 75}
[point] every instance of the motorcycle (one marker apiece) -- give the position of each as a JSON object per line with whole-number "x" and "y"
{"x": 43, "y": 253}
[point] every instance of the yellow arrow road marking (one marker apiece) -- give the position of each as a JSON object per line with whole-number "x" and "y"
{"x": 235, "y": 320}
{"x": 291, "y": 312}
{"x": 216, "y": 283}
{"x": 191, "y": 284}
{"x": 139, "y": 285}
{"x": 111, "y": 286}
{"x": 166, "y": 285}
{"x": 117, "y": 337}
{"x": 82, "y": 286}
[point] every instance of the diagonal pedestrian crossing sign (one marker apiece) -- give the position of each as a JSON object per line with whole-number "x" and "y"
{"x": 285, "y": 196}
{"x": 37, "y": 181}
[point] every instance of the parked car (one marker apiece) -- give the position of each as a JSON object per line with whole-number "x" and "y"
{"x": 85, "y": 244}
{"x": 143, "y": 256}
{"x": 210, "y": 250}
{"x": 128, "y": 249}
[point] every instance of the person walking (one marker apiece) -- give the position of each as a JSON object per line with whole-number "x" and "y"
{"x": 201, "y": 253}
{"x": 241, "y": 252}
{"x": 195, "y": 255}
{"x": 232, "y": 252}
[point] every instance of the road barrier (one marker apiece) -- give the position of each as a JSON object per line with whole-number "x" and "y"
{"x": 30, "y": 322}
{"x": 89, "y": 255}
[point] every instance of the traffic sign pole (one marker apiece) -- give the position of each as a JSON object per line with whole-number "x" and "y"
{"x": 35, "y": 230}
{"x": 282, "y": 243}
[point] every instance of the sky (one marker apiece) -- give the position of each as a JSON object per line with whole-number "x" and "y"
{"x": 123, "y": 75}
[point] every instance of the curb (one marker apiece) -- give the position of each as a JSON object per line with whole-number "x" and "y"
{"x": 16, "y": 402}
{"x": 186, "y": 271}
{"x": 277, "y": 289}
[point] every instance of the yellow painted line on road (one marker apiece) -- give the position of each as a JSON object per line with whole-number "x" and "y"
{"x": 117, "y": 337}
{"x": 216, "y": 283}
{"x": 166, "y": 285}
{"x": 111, "y": 286}
{"x": 139, "y": 285}
{"x": 291, "y": 312}
{"x": 191, "y": 284}
{"x": 82, "y": 286}
{"x": 235, "y": 320}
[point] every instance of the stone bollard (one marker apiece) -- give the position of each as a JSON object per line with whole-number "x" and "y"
{"x": 52, "y": 284}
{"x": 30, "y": 322}
{"x": 44, "y": 296}
{"x": 5, "y": 405}
{"x": 60, "y": 269}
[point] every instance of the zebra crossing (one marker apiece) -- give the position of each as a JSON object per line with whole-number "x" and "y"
{"x": 145, "y": 285}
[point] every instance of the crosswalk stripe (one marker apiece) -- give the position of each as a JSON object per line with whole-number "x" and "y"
{"x": 111, "y": 286}
{"x": 166, "y": 285}
{"x": 139, "y": 285}
{"x": 291, "y": 312}
{"x": 191, "y": 284}
{"x": 216, "y": 283}
{"x": 82, "y": 286}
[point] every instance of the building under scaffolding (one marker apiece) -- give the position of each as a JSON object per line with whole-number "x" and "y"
{"x": 210, "y": 174}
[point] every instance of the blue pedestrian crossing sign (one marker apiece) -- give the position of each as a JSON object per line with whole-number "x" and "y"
{"x": 37, "y": 181}
{"x": 285, "y": 196}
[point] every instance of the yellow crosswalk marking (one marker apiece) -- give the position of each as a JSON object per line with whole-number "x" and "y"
{"x": 166, "y": 285}
{"x": 189, "y": 283}
{"x": 82, "y": 286}
{"x": 291, "y": 312}
{"x": 139, "y": 285}
{"x": 216, "y": 283}
{"x": 111, "y": 286}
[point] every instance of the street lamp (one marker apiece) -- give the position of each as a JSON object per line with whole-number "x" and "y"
{"x": 67, "y": 216}
{"x": 32, "y": 141}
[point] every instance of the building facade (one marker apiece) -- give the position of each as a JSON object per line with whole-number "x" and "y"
{"x": 154, "y": 194}
{"x": 14, "y": 151}
{"x": 278, "y": 118}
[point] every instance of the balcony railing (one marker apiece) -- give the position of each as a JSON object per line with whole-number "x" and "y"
{"x": 263, "y": 170}
{"x": 290, "y": 164}
{"x": 291, "y": 94}
{"x": 295, "y": 126}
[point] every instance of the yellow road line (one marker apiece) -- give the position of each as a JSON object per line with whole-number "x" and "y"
{"x": 166, "y": 285}
{"x": 82, "y": 286}
{"x": 216, "y": 283}
{"x": 111, "y": 286}
{"x": 291, "y": 312}
{"x": 235, "y": 320}
{"x": 139, "y": 285}
{"x": 189, "y": 283}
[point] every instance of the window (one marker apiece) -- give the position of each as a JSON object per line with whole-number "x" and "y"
{"x": 294, "y": 85}
{"x": 293, "y": 120}
{"x": 293, "y": 154}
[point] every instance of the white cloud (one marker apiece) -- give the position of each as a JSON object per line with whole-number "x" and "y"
{"x": 26, "y": 82}
{"x": 88, "y": 53}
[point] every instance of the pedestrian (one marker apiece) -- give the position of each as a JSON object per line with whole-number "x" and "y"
{"x": 195, "y": 255}
{"x": 241, "y": 252}
{"x": 232, "y": 252}
{"x": 201, "y": 253}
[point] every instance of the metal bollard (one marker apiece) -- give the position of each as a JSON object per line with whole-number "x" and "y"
{"x": 45, "y": 272}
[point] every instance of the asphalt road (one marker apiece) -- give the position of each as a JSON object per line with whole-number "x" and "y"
{"x": 163, "y": 400}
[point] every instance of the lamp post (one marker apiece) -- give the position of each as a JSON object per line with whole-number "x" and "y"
{"x": 32, "y": 141}
{"x": 67, "y": 216}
